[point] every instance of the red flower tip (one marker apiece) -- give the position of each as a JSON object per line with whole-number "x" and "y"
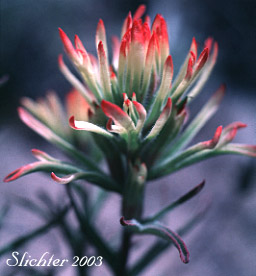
{"x": 122, "y": 221}
{"x": 127, "y": 24}
{"x": 168, "y": 103}
{"x": 55, "y": 177}
{"x": 67, "y": 44}
{"x": 101, "y": 52}
{"x": 125, "y": 96}
{"x": 160, "y": 27}
{"x": 125, "y": 222}
{"x": 140, "y": 108}
{"x": 123, "y": 47}
{"x": 79, "y": 44}
{"x": 36, "y": 151}
{"x": 189, "y": 69}
{"x": 112, "y": 73}
{"x": 62, "y": 180}
{"x": 109, "y": 108}
{"x": 60, "y": 60}
{"x": 139, "y": 12}
{"x": 134, "y": 96}
{"x": 217, "y": 133}
{"x": 148, "y": 20}
{"x": 167, "y": 108}
{"x": 101, "y": 47}
{"x": 202, "y": 59}
{"x": 157, "y": 21}
{"x": 146, "y": 31}
{"x": 208, "y": 43}
{"x": 127, "y": 102}
{"x": 77, "y": 41}
{"x": 137, "y": 32}
{"x": 100, "y": 24}
{"x": 215, "y": 51}
{"x": 13, "y": 175}
{"x": 236, "y": 125}
{"x": 193, "y": 47}
{"x": 214, "y": 141}
{"x": 193, "y": 57}
{"x": 169, "y": 61}
{"x": 231, "y": 135}
{"x": 231, "y": 130}
{"x": 23, "y": 114}
{"x": 72, "y": 122}
{"x": 109, "y": 124}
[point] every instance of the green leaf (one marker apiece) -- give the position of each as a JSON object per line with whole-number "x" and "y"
{"x": 159, "y": 230}
{"x": 171, "y": 162}
{"x": 240, "y": 149}
{"x": 43, "y": 166}
{"x": 105, "y": 182}
{"x": 176, "y": 203}
{"x": 197, "y": 123}
{"x": 159, "y": 246}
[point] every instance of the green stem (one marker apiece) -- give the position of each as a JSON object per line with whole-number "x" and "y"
{"x": 124, "y": 253}
{"x": 131, "y": 208}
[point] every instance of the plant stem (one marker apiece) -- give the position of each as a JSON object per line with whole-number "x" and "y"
{"x": 124, "y": 252}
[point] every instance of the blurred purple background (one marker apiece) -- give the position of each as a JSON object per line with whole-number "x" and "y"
{"x": 224, "y": 243}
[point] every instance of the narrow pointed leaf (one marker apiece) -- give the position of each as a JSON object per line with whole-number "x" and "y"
{"x": 159, "y": 246}
{"x": 104, "y": 72}
{"x": 198, "y": 122}
{"x": 142, "y": 115}
{"x": 171, "y": 162}
{"x": 229, "y": 133}
{"x": 183, "y": 69}
{"x": 177, "y": 203}
{"x": 68, "y": 45}
{"x": 43, "y": 156}
{"x": 75, "y": 82}
{"x": 103, "y": 182}
{"x": 163, "y": 90}
{"x": 159, "y": 230}
{"x": 115, "y": 49}
{"x": 41, "y": 166}
{"x": 139, "y": 12}
{"x": 240, "y": 149}
{"x": 205, "y": 74}
{"x": 149, "y": 62}
{"x": 161, "y": 120}
{"x": 101, "y": 36}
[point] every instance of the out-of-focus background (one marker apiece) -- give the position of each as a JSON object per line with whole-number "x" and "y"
{"x": 224, "y": 243}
